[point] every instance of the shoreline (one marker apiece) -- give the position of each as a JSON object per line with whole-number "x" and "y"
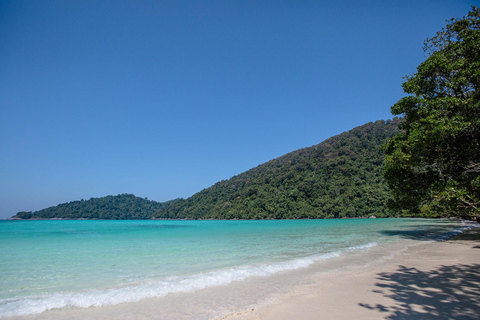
{"x": 333, "y": 283}
{"x": 13, "y": 218}
{"x": 433, "y": 280}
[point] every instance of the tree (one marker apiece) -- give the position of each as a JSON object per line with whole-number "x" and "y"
{"x": 24, "y": 215}
{"x": 432, "y": 165}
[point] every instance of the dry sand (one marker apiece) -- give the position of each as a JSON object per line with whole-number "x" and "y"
{"x": 434, "y": 280}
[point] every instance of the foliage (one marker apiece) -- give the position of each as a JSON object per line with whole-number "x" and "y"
{"x": 433, "y": 164}
{"x": 340, "y": 177}
{"x": 123, "y": 206}
{"x": 24, "y": 215}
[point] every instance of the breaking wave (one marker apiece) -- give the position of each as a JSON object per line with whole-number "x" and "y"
{"x": 157, "y": 288}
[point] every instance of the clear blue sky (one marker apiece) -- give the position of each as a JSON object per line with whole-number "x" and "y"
{"x": 164, "y": 98}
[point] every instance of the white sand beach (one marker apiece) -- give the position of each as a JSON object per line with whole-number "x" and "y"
{"x": 418, "y": 280}
{"x": 434, "y": 280}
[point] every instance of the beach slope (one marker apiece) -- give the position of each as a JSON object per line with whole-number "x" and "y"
{"x": 433, "y": 280}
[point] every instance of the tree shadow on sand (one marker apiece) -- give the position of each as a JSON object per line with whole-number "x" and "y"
{"x": 437, "y": 232}
{"x": 449, "y": 292}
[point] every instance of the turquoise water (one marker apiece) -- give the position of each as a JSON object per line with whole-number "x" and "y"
{"x": 62, "y": 264}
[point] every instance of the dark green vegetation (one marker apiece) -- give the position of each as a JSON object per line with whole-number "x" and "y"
{"x": 123, "y": 206}
{"x": 340, "y": 177}
{"x": 433, "y": 164}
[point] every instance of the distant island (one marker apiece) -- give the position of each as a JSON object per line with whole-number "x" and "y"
{"x": 122, "y": 206}
{"x": 342, "y": 177}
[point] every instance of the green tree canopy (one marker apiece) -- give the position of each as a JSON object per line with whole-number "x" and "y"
{"x": 122, "y": 206}
{"x": 433, "y": 163}
{"x": 340, "y": 177}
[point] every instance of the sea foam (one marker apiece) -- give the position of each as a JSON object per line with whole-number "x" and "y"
{"x": 158, "y": 288}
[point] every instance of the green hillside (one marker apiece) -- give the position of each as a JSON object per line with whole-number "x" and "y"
{"x": 122, "y": 206}
{"x": 340, "y": 177}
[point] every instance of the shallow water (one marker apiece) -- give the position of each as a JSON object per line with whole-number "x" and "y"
{"x": 106, "y": 266}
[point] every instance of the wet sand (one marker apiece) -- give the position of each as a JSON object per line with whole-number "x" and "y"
{"x": 407, "y": 280}
{"x": 433, "y": 280}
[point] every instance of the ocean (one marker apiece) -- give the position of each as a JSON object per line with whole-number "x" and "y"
{"x": 183, "y": 269}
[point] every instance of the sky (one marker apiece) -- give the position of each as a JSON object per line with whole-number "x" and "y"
{"x": 165, "y": 98}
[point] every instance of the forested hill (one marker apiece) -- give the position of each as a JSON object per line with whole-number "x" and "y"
{"x": 340, "y": 177}
{"x": 122, "y": 206}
